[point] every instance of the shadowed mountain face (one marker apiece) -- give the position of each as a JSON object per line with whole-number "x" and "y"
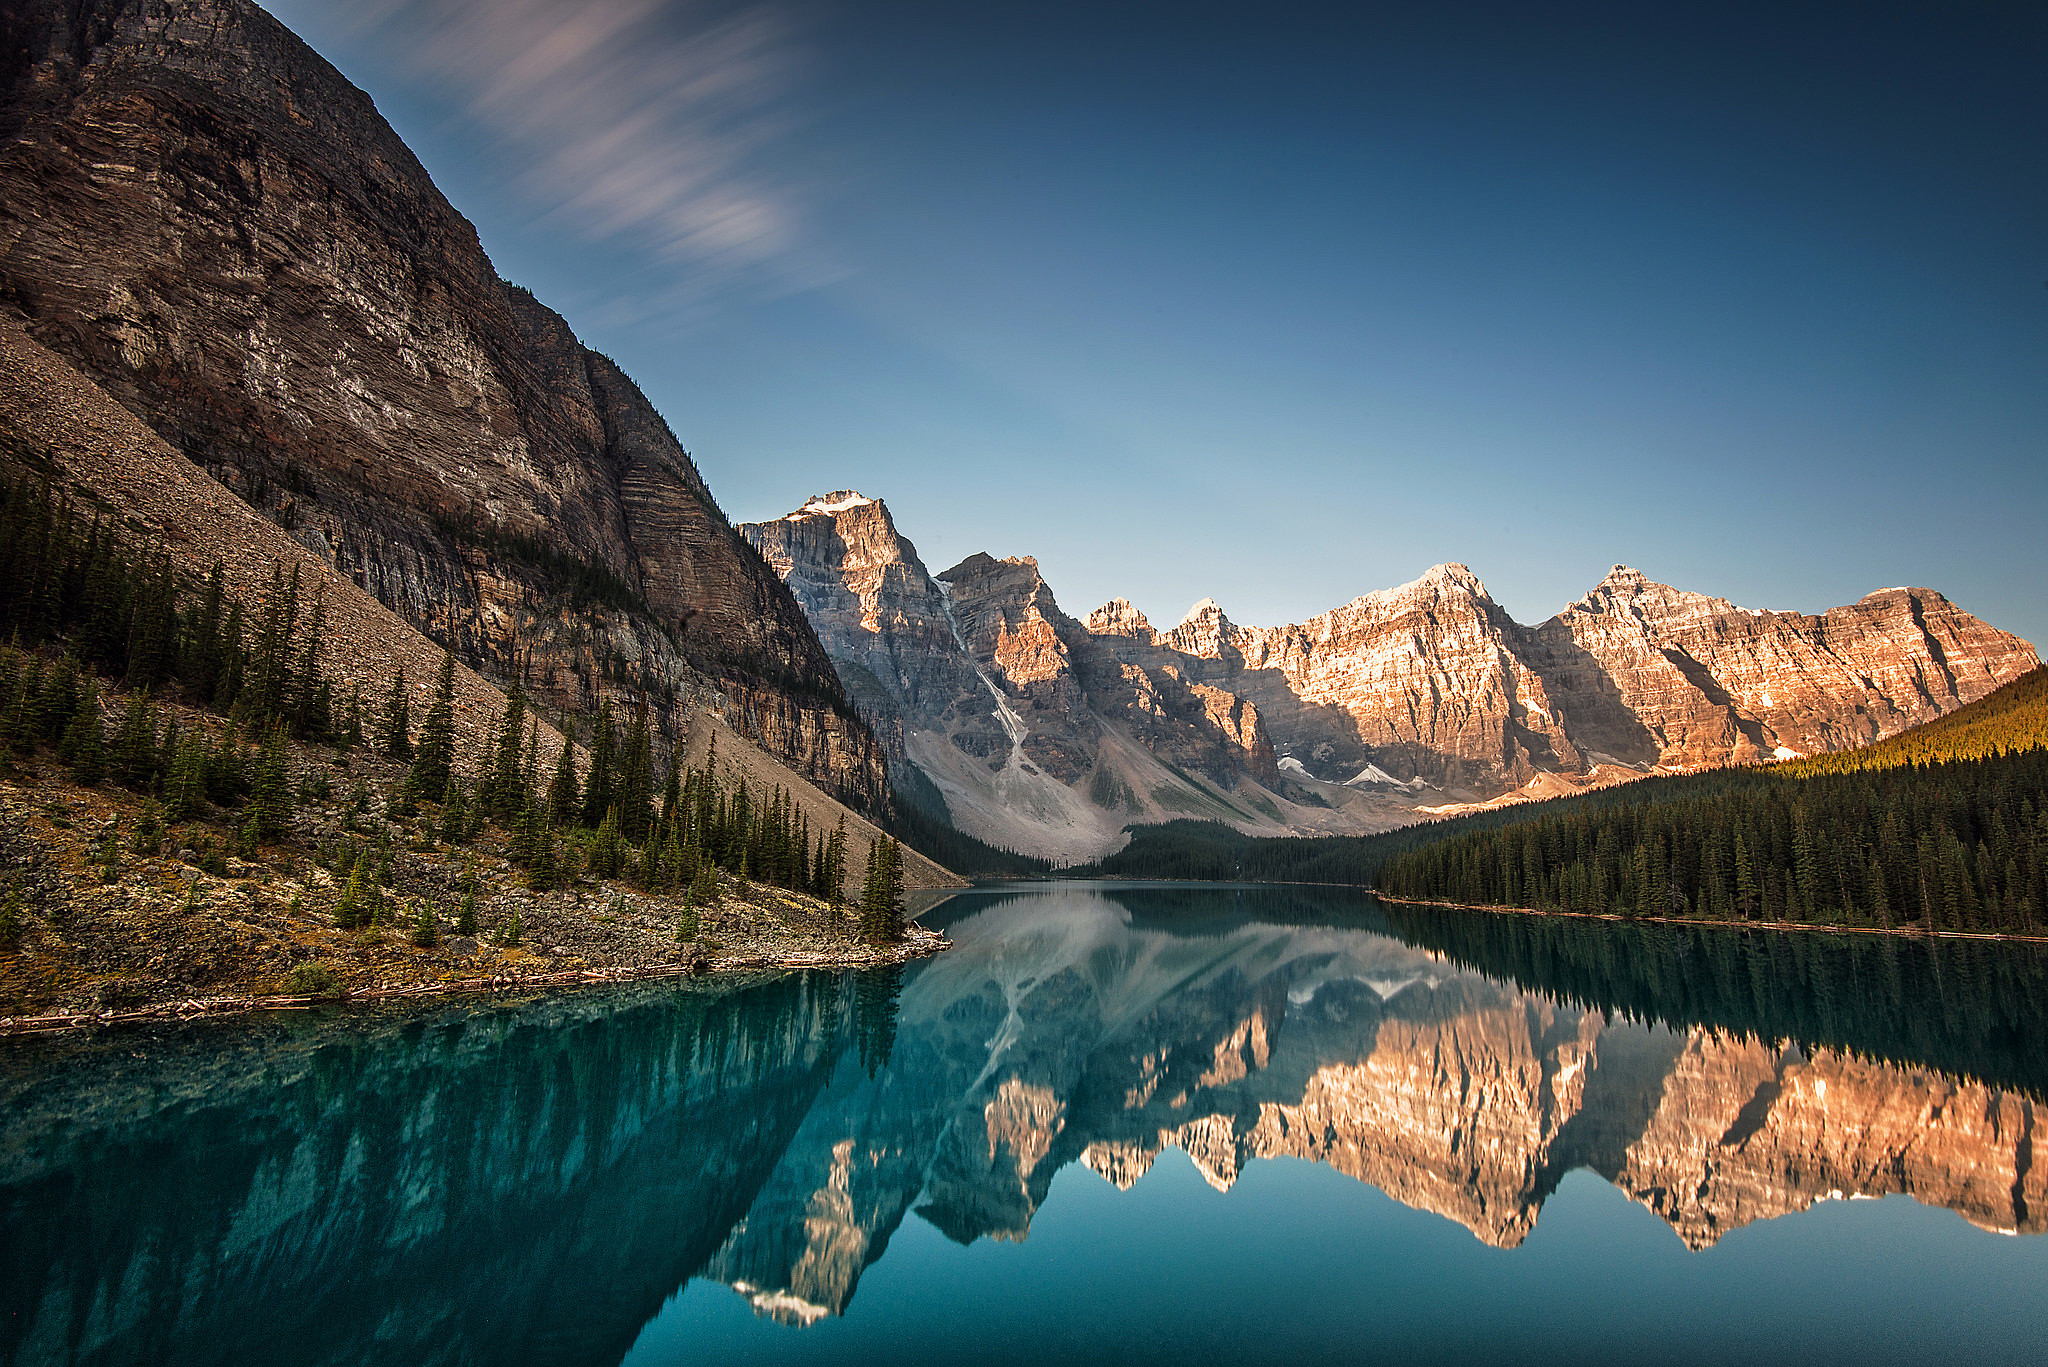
{"x": 530, "y": 1182}
{"x": 211, "y": 223}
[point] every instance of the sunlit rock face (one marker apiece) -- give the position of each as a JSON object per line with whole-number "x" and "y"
{"x": 212, "y": 223}
{"x": 1680, "y": 679}
{"x": 1420, "y": 680}
{"x": 880, "y": 615}
{"x": 1434, "y": 680}
{"x": 1408, "y": 694}
{"x": 1748, "y": 1133}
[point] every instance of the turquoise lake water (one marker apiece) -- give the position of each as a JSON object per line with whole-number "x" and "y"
{"x": 1119, "y": 1123}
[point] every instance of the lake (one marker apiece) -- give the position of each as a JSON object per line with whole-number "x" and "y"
{"x": 1144, "y": 1124}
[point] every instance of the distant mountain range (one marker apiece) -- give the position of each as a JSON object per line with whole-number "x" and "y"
{"x": 1050, "y": 734}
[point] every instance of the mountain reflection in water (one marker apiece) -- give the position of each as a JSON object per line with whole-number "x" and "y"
{"x": 531, "y": 1181}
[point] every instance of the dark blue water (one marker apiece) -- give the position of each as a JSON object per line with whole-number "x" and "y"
{"x": 1126, "y": 1124}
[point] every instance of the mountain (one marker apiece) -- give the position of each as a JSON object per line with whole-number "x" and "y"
{"x": 211, "y": 225}
{"x": 1036, "y": 731}
{"x": 1051, "y": 735}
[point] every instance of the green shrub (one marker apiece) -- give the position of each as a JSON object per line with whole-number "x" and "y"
{"x": 315, "y": 979}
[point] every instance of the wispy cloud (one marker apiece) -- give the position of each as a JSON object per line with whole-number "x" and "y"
{"x": 643, "y": 123}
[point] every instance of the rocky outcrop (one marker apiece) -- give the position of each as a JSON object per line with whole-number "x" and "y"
{"x": 1433, "y": 680}
{"x": 214, "y": 225}
{"x": 1038, "y": 733}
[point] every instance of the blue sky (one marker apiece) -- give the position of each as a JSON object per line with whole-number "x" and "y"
{"x": 1278, "y": 306}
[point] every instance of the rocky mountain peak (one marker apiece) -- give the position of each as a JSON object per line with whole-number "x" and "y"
{"x": 1455, "y": 578}
{"x": 1118, "y": 618}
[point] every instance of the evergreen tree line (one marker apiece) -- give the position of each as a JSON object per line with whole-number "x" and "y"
{"x": 1968, "y": 1008}
{"x": 1210, "y": 851}
{"x": 125, "y": 615}
{"x": 66, "y": 581}
{"x": 1959, "y": 845}
{"x": 676, "y": 836}
{"x": 2011, "y": 720}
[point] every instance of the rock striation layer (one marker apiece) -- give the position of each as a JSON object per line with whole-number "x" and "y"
{"x": 208, "y": 220}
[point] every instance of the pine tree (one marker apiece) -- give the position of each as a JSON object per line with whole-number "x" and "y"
{"x": 270, "y": 793}
{"x": 84, "y": 746}
{"x": 608, "y": 851}
{"x": 563, "y": 791}
{"x": 599, "y": 784}
{"x": 352, "y": 911}
{"x": 891, "y": 892}
{"x": 636, "y": 781}
{"x": 454, "y": 814}
{"x": 868, "y": 915}
{"x": 185, "y": 785}
{"x": 134, "y": 757}
{"x": 434, "y": 756}
{"x": 352, "y": 721}
{"x": 394, "y": 730}
{"x": 426, "y": 928}
{"x": 205, "y": 654}
{"x": 311, "y": 712}
{"x": 502, "y": 796}
{"x": 703, "y": 887}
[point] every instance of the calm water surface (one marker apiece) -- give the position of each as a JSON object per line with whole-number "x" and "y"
{"x": 1113, "y": 1123}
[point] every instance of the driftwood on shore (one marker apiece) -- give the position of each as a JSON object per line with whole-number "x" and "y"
{"x": 195, "y": 1007}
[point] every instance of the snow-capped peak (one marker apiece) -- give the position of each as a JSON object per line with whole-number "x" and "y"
{"x": 839, "y": 501}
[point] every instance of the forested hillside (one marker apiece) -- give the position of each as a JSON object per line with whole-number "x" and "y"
{"x": 1960, "y": 846}
{"x": 2013, "y": 719}
{"x": 1942, "y": 828}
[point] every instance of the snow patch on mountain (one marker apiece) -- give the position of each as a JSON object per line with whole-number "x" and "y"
{"x": 1374, "y": 776}
{"x": 840, "y": 501}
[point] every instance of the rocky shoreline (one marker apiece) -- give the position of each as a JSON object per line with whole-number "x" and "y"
{"x": 918, "y": 943}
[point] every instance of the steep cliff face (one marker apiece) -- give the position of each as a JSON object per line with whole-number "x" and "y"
{"x": 1680, "y": 679}
{"x": 1038, "y": 733}
{"x": 1415, "y": 680}
{"x": 212, "y": 223}
{"x": 880, "y": 616}
{"x": 1434, "y": 681}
